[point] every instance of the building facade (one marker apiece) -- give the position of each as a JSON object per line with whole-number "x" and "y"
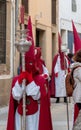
{"x": 69, "y": 10}
{"x": 44, "y": 16}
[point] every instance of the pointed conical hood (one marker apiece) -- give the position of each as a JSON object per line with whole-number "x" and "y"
{"x": 30, "y": 53}
{"x": 77, "y": 41}
{"x": 62, "y": 62}
{"x": 30, "y": 33}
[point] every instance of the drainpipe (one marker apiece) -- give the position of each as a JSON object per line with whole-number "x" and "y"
{"x": 12, "y": 37}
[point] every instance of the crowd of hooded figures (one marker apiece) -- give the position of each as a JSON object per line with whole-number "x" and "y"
{"x": 39, "y": 87}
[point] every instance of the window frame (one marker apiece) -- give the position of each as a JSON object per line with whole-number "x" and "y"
{"x": 25, "y": 5}
{"x": 3, "y": 32}
{"x": 74, "y": 6}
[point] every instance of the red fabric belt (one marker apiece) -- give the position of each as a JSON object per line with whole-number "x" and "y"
{"x": 31, "y": 106}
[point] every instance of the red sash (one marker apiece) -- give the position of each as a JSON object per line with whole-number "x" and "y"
{"x": 31, "y": 106}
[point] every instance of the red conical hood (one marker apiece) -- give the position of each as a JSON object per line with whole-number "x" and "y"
{"x": 62, "y": 63}
{"x": 29, "y": 56}
{"x": 30, "y": 53}
{"x": 77, "y": 41}
{"x": 30, "y": 33}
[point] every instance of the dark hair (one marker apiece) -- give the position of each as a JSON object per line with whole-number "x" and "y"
{"x": 77, "y": 56}
{"x": 70, "y": 55}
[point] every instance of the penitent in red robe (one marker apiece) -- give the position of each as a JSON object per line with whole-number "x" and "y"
{"x": 45, "y": 122}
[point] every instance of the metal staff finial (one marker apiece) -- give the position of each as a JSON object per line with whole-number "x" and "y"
{"x": 22, "y": 44}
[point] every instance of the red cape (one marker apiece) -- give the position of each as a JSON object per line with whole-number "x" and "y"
{"x": 45, "y": 122}
{"x": 12, "y": 109}
{"x": 76, "y": 111}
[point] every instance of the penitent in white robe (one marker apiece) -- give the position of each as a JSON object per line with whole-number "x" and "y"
{"x": 60, "y": 80}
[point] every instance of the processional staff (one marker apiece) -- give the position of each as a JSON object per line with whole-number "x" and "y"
{"x": 23, "y": 45}
{"x": 65, "y": 68}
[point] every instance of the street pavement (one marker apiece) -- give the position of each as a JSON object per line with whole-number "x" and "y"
{"x": 3, "y": 117}
{"x": 58, "y": 112}
{"x": 62, "y": 114}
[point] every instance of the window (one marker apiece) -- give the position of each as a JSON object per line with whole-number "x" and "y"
{"x": 70, "y": 41}
{"x": 53, "y": 11}
{"x": 2, "y": 31}
{"x": 25, "y": 3}
{"x": 74, "y": 7}
{"x": 37, "y": 37}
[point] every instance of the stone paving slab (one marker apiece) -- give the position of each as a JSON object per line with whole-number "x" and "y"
{"x": 3, "y": 117}
{"x": 59, "y": 116}
{"x": 3, "y": 109}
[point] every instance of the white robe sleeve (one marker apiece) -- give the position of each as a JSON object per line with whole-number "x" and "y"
{"x": 17, "y": 91}
{"x": 33, "y": 90}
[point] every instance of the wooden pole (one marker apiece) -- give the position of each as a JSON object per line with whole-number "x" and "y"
{"x": 24, "y": 94}
{"x": 65, "y": 66}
